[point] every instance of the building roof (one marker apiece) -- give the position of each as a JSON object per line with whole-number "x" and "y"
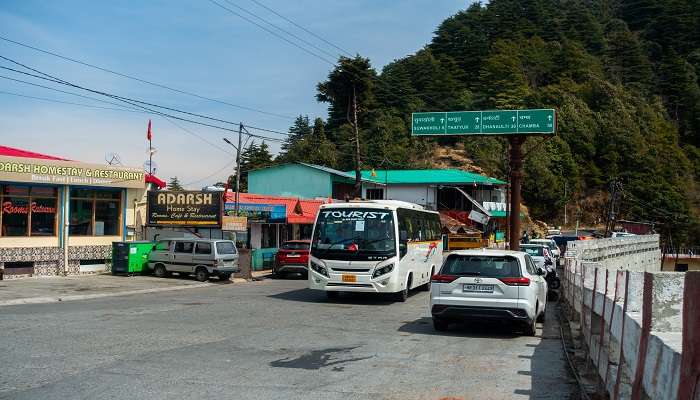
{"x": 429, "y": 176}
{"x": 15, "y": 152}
{"x": 346, "y": 175}
{"x": 299, "y": 211}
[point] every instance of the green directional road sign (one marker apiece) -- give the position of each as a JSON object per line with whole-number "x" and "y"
{"x": 493, "y": 122}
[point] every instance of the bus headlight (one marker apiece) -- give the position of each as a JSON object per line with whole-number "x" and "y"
{"x": 319, "y": 268}
{"x": 383, "y": 270}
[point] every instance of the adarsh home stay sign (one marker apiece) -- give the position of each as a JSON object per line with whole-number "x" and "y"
{"x": 57, "y": 172}
{"x": 184, "y": 208}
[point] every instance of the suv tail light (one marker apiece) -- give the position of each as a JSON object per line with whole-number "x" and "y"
{"x": 443, "y": 278}
{"x": 522, "y": 281}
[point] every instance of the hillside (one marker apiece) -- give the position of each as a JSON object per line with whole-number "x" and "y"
{"x": 622, "y": 75}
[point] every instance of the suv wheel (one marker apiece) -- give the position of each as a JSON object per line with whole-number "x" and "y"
{"x": 440, "y": 325}
{"x": 531, "y": 327}
{"x": 160, "y": 271}
{"x": 201, "y": 274}
{"x": 225, "y": 276}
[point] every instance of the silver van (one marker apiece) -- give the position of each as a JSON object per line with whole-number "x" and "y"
{"x": 201, "y": 257}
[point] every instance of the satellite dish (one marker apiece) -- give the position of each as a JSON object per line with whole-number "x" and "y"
{"x": 150, "y": 167}
{"x": 113, "y": 159}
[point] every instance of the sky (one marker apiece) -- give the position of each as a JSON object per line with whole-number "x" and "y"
{"x": 194, "y": 46}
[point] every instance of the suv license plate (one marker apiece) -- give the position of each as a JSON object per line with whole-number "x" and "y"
{"x": 473, "y": 288}
{"x": 349, "y": 278}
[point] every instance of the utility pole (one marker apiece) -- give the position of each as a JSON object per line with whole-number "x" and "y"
{"x": 516, "y": 165}
{"x": 238, "y": 166}
{"x": 358, "y": 173}
{"x": 566, "y": 200}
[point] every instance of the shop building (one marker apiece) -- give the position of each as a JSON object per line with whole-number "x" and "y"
{"x": 272, "y": 220}
{"x": 59, "y": 217}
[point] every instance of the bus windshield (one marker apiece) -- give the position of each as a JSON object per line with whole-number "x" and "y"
{"x": 355, "y": 234}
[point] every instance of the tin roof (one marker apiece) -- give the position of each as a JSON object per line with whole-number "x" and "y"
{"x": 298, "y": 211}
{"x": 429, "y": 176}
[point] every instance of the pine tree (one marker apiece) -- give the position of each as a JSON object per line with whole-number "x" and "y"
{"x": 174, "y": 184}
{"x": 297, "y": 132}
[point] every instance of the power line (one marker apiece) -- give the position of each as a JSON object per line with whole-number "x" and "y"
{"x": 58, "y": 80}
{"x": 134, "y": 78}
{"x": 227, "y": 165}
{"x": 67, "y": 92}
{"x": 68, "y": 102}
{"x": 301, "y": 27}
{"x": 273, "y": 33}
{"x": 134, "y": 102}
{"x": 281, "y": 29}
{"x": 123, "y": 108}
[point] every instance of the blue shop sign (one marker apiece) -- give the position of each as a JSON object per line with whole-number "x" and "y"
{"x": 261, "y": 213}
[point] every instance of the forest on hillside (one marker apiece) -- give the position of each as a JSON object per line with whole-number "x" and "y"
{"x": 622, "y": 74}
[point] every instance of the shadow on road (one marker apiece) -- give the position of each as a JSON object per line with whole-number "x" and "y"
{"x": 317, "y": 296}
{"x": 424, "y": 326}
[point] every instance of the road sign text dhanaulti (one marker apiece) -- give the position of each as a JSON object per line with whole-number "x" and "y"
{"x": 493, "y": 122}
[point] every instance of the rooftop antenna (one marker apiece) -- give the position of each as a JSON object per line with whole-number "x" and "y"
{"x": 113, "y": 159}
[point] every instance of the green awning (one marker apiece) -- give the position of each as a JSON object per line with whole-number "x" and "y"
{"x": 429, "y": 176}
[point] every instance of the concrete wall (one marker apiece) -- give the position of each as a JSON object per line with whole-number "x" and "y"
{"x": 633, "y": 320}
{"x": 293, "y": 180}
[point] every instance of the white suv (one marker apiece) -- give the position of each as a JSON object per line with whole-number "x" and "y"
{"x": 488, "y": 285}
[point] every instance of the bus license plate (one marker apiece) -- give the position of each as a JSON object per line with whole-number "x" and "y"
{"x": 349, "y": 278}
{"x": 474, "y": 288}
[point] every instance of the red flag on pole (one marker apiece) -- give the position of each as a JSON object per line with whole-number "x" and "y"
{"x": 148, "y": 134}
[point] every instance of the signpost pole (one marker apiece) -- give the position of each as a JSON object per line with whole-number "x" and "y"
{"x": 516, "y": 174}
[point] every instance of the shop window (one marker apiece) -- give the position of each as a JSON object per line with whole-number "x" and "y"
{"x": 95, "y": 212}
{"x": 106, "y": 218}
{"x": 375, "y": 194}
{"x": 81, "y": 217}
{"x": 43, "y": 216}
{"x": 28, "y": 210}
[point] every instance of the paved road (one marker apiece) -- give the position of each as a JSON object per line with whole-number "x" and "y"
{"x": 273, "y": 339}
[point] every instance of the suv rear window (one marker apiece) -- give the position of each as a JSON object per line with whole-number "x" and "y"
{"x": 295, "y": 246}
{"x": 225, "y": 248}
{"x": 484, "y": 266}
{"x": 532, "y": 251}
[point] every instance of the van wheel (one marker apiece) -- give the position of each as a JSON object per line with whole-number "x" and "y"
{"x": 160, "y": 271}
{"x": 201, "y": 274}
{"x": 402, "y": 296}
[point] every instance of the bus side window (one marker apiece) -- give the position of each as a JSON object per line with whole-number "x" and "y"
{"x": 405, "y": 233}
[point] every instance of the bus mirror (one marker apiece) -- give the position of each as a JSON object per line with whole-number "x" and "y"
{"x": 403, "y": 236}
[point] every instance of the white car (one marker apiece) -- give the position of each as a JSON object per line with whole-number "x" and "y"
{"x": 540, "y": 254}
{"x": 488, "y": 284}
{"x": 553, "y": 248}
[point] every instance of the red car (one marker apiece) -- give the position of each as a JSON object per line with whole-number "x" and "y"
{"x": 293, "y": 256}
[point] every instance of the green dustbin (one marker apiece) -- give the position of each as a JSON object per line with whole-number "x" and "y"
{"x": 129, "y": 258}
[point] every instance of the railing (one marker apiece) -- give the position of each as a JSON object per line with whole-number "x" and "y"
{"x": 638, "y": 326}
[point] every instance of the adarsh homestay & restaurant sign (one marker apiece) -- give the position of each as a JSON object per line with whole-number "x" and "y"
{"x": 58, "y": 172}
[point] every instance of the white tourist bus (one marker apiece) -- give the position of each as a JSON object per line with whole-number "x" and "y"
{"x": 379, "y": 246}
